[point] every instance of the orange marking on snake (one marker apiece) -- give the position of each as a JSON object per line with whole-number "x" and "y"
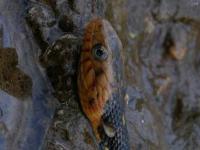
{"x": 88, "y": 39}
{"x": 89, "y": 68}
{"x": 85, "y": 60}
{"x": 86, "y": 50}
{"x": 96, "y": 93}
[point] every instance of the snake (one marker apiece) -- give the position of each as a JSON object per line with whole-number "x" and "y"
{"x": 100, "y": 85}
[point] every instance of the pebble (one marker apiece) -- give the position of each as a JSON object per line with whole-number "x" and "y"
{"x": 60, "y": 112}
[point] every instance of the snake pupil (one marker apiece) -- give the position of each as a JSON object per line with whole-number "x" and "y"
{"x": 99, "y": 52}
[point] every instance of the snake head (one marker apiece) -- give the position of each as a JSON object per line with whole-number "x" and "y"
{"x": 99, "y": 78}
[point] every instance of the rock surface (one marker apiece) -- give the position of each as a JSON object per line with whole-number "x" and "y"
{"x": 161, "y": 66}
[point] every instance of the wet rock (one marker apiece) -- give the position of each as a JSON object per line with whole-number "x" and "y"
{"x": 189, "y": 10}
{"x": 66, "y": 24}
{"x": 3, "y": 129}
{"x": 133, "y": 19}
{"x": 26, "y": 115}
{"x": 178, "y": 110}
{"x": 12, "y": 79}
{"x": 170, "y": 123}
{"x": 79, "y": 11}
{"x": 161, "y": 84}
{"x": 150, "y": 25}
{"x": 176, "y": 41}
{"x": 185, "y": 123}
{"x": 43, "y": 23}
{"x": 1, "y": 35}
{"x": 62, "y": 52}
{"x": 165, "y": 10}
{"x": 61, "y": 112}
{"x": 152, "y": 64}
{"x": 62, "y": 57}
{"x": 149, "y": 120}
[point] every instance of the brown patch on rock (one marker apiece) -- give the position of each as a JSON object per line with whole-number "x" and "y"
{"x": 161, "y": 84}
{"x": 87, "y": 137}
{"x": 66, "y": 24}
{"x": 1, "y": 36}
{"x": 174, "y": 48}
{"x": 60, "y": 62}
{"x": 13, "y": 80}
{"x": 176, "y": 42}
{"x": 177, "y": 53}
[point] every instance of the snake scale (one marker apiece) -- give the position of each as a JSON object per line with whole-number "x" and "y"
{"x": 100, "y": 85}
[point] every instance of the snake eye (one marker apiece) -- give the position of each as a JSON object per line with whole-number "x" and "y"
{"x": 99, "y": 52}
